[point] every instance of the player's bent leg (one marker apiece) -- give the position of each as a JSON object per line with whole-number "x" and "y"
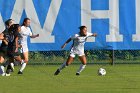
{"x": 67, "y": 63}
{"x": 2, "y": 68}
{"x": 25, "y": 54}
{"x": 26, "y": 59}
{"x": 1, "y": 59}
{"x": 17, "y": 58}
{"x": 83, "y": 65}
{"x": 83, "y": 59}
{"x": 2, "y": 62}
{"x": 64, "y": 65}
{"x": 3, "y": 65}
{"x": 9, "y": 68}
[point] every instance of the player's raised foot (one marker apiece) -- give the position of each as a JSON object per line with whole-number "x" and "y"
{"x": 57, "y": 72}
{"x": 77, "y": 74}
{"x": 20, "y": 73}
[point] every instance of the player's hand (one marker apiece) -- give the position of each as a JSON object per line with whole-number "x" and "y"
{"x": 6, "y": 43}
{"x": 37, "y": 35}
{"x": 16, "y": 50}
{"x": 63, "y": 46}
{"x": 20, "y": 46}
{"x": 95, "y": 34}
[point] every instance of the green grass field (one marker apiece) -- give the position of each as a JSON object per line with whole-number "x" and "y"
{"x": 40, "y": 79}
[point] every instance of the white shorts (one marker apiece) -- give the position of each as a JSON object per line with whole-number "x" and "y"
{"x": 24, "y": 48}
{"x": 73, "y": 53}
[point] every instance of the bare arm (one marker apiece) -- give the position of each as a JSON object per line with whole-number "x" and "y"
{"x": 63, "y": 46}
{"x": 94, "y": 34}
{"x": 34, "y": 36}
{"x": 16, "y": 41}
{"x": 1, "y": 36}
{"x": 5, "y": 41}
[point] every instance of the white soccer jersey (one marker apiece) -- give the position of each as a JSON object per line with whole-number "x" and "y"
{"x": 78, "y": 44}
{"x": 25, "y": 32}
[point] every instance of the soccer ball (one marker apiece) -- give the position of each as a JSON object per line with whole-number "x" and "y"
{"x": 102, "y": 71}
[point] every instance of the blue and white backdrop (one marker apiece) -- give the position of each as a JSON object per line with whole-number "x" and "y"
{"x": 117, "y": 22}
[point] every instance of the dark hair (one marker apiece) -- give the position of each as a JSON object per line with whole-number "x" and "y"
{"x": 25, "y": 19}
{"x": 82, "y": 27}
{"x": 7, "y": 22}
{"x": 13, "y": 28}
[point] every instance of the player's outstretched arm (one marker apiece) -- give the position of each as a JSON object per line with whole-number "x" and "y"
{"x": 94, "y": 34}
{"x": 63, "y": 46}
{"x": 34, "y": 36}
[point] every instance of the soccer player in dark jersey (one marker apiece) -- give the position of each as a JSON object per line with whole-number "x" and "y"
{"x": 3, "y": 47}
{"x": 13, "y": 38}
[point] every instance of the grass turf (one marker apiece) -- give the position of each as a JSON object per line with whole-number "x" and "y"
{"x": 40, "y": 79}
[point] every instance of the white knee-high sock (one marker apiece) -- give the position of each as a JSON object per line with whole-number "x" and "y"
{"x": 63, "y": 66}
{"x": 12, "y": 65}
{"x": 82, "y": 67}
{"x": 2, "y": 68}
{"x": 23, "y": 67}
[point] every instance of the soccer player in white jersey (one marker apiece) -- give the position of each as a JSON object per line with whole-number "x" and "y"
{"x": 25, "y": 32}
{"x": 77, "y": 49}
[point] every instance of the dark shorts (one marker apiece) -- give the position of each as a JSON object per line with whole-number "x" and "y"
{"x": 12, "y": 54}
{"x": 3, "y": 52}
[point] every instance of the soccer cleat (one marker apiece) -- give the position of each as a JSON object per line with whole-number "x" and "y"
{"x": 3, "y": 74}
{"x": 57, "y": 72}
{"x": 77, "y": 74}
{"x": 20, "y": 72}
{"x": 7, "y": 74}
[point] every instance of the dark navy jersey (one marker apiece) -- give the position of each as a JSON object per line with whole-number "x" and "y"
{"x": 11, "y": 37}
{"x": 3, "y": 45}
